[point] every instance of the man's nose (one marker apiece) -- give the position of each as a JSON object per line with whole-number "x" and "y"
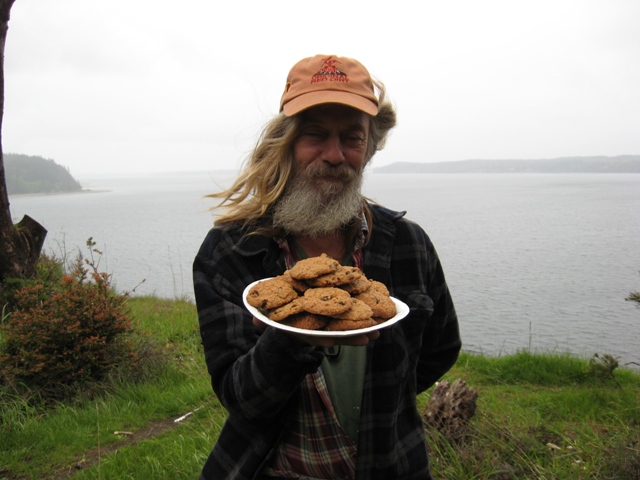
{"x": 333, "y": 153}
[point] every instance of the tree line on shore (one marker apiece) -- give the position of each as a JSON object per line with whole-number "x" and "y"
{"x": 35, "y": 174}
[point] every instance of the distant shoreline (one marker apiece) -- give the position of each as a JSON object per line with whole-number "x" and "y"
{"x": 596, "y": 164}
{"x": 48, "y": 194}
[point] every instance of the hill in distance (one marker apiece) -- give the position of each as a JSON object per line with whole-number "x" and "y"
{"x": 33, "y": 174}
{"x": 596, "y": 164}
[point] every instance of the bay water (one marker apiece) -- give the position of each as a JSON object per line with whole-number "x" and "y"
{"x": 534, "y": 261}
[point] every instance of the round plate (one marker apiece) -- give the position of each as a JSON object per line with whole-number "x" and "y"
{"x": 402, "y": 310}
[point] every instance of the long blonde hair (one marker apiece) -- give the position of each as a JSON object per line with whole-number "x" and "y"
{"x": 267, "y": 169}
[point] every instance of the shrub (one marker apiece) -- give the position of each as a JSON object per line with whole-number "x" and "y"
{"x": 67, "y": 330}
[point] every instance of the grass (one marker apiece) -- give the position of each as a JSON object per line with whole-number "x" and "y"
{"x": 539, "y": 416}
{"x": 544, "y": 416}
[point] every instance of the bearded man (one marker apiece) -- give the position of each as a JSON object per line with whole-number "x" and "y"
{"x": 312, "y": 406}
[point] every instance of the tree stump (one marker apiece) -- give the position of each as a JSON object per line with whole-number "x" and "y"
{"x": 20, "y": 244}
{"x": 450, "y": 407}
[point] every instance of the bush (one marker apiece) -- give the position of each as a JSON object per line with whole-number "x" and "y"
{"x": 66, "y": 330}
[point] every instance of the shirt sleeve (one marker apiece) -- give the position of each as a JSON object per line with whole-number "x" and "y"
{"x": 254, "y": 372}
{"x": 418, "y": 279}
{"x": 441, "y": 340}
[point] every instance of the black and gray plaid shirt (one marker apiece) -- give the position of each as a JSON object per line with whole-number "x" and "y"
{"x": 257, "y": 374}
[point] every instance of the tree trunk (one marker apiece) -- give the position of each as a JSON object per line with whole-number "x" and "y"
{"x": 20, "y": 244}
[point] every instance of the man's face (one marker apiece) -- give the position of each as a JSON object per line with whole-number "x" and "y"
{"x": 332, "y": 144}
{"x": 323, "y": 194}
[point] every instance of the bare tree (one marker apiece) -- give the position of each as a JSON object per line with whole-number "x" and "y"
{"x": 20, "y": 244}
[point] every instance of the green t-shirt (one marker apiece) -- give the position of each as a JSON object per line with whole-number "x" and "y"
{"x": 344, "y": 375}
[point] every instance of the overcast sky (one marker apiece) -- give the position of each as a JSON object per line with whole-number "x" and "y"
{"x": 154, "y": 85}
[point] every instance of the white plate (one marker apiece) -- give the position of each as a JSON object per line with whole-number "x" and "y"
{"x": 402, "y": 310}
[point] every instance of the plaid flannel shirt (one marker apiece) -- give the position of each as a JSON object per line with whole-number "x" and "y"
{"x": 257, "y": 375}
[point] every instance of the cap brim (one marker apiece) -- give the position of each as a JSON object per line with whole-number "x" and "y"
{"x": 312, "y": 99}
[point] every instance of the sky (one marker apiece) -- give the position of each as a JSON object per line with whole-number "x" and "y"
{"x": 142, "y": 86}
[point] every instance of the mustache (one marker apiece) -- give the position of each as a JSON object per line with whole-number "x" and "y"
{"x": 341, "y": 171}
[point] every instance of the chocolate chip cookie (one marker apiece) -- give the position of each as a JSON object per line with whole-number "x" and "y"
{"x": 342, "y": 325}
{"x": 314, "y": 267}
{"x": 381, "y": 305}
{"x": 326, "y": 301}
{"x": 288, "y": 309}
{"x": 341, "y": 276}
{"x": 307, "y": 321}
{"x": 271, "y": 293}
{"x": 359, "y": 311}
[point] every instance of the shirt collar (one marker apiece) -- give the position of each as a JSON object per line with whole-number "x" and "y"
{"x": 291, "y": 255}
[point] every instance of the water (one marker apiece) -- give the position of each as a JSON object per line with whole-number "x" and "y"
{"x": 149, "y": 229}
{"x": 540, "y": 262}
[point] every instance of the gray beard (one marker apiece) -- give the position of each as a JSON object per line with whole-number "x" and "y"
{"x": 314, "y": 209}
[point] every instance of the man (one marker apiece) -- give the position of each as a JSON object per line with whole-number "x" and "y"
{"x": 315, "y": 407}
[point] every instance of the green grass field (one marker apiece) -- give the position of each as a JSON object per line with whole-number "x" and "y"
{"x": 539, "y": 416}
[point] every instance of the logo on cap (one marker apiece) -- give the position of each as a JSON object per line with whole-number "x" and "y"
{"x": 329, "y": 72}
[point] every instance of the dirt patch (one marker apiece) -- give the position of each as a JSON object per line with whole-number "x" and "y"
{"x": 93, "y": 456}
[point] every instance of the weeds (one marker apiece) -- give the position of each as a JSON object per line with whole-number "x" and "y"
{"x": 68, "y": 331}
{"x": 602, "y": 366}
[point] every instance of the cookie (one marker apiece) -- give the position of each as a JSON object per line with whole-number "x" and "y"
{"x": 358, "y": 311}
{"x": 380, "y": 320}
{"x": 360, "y": 285}
{"x": 380, "y": 287}
{"x": 292, "y": 308}
{"x": 314, "y": 267}
{"x": 342, "y": 325}
{"x": 341, "y": 276}
{"x": 307, "y": 321}
{"x": 271, "y": 293}
{"x": 299, "y": 286}
{"x": 381, "y": 305}
{"x": 326, "y": 301}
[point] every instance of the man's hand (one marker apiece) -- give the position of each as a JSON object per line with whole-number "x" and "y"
{"x": 321, "y": 341}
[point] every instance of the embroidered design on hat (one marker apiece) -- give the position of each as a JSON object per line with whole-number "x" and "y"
{"x": 329, "y": 72}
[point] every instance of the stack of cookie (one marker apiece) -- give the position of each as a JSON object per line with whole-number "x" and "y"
{"x": 320, "y": 294}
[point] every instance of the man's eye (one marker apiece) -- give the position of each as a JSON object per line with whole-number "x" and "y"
{"x": 313, "y": 134}
{"x": 354, "y": 139}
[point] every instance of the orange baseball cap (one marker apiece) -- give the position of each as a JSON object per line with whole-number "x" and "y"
{"x": 328, "y": 79}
